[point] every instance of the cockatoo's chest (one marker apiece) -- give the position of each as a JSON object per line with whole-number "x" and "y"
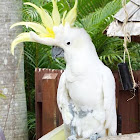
{"x": 85, "y": 89}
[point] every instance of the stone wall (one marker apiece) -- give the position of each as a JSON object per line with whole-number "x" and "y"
{"x": 12, "y": 74}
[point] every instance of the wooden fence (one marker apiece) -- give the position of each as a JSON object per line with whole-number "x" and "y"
{"x": 48, "y": 116}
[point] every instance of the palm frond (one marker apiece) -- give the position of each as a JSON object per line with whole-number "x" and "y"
{"x": 97, "y": 21}
{"x": 134, "y": 50}
{"x": 31, "y": 124}
{"x": 85, "y": 7}
{"x": 30, "y": 14}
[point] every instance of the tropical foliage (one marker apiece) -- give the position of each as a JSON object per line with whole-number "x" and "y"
{"x": 94, "y": 16}
{"x": 2, "y": 96}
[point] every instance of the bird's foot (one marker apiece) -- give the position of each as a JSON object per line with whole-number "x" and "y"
{"x": 73, "y": 137}
{"x": 94, "y": 137}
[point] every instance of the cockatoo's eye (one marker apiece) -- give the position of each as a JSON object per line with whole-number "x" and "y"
{"x": 68, "y": 43}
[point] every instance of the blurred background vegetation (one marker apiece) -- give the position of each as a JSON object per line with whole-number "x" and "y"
{"x": 94, "y": 16}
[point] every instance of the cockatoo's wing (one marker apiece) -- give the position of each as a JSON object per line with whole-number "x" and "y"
{"x": 63, "y": 100}
{"x": 109, "y": 101}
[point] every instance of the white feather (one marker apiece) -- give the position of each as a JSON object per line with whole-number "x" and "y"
{"x": 43, "y": 40}
{"x": 89, "y": 84}
{"x": 86, "y": 83}
{"x": 109, "y": 101}
{"x": 63, "y": 100}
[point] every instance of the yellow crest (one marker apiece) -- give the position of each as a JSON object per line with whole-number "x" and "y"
{"x": 45, "y": 29}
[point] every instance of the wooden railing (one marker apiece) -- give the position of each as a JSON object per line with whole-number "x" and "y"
{"x": 48, "y": 116}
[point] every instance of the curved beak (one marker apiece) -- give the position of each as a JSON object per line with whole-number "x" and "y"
{"x": 57, "y": 52}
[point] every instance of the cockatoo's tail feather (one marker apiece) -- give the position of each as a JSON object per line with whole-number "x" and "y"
{"x": 23, "y": 37}
{"x": 45, "y": 30}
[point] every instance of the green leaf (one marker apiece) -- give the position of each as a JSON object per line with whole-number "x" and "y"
{"x": 2, "y": 96}
{"x": 97, "y": 21}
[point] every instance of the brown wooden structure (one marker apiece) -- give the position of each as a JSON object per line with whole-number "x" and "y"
{"x": 48, "y": 116}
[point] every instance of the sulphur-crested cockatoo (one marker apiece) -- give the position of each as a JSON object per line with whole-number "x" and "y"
{"x": 86, "y": 92}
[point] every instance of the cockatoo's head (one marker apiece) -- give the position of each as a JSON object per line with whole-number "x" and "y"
{"x": 53, "y": 31}
{"x": 65, "y": 37}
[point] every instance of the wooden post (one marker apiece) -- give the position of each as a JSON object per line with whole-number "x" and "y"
{"x": 119, "y": 124}
{"x": 138, "y": 76}
{"x": 129, "y": 111}
{"x": 49, "y": 103}
{"x": 38, "y": 103}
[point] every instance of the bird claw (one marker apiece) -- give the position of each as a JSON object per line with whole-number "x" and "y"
{"x": 73, "y": 137}
{"x": 94, "y": 137}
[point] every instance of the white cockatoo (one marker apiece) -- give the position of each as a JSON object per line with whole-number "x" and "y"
{"x": 86, "y": 91}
